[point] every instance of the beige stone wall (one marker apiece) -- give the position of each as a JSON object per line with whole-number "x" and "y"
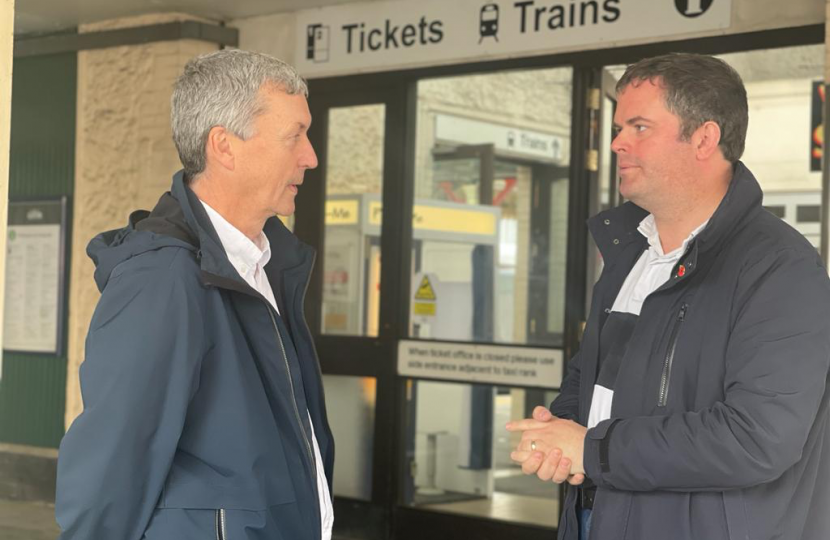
{"x": 355, "y": 150}
{"x": 125, "y": 156}
{"x": 6, "y": 30}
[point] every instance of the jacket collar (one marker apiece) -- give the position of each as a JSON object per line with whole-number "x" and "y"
{"x": 614, "y": 229}
{"x": 180, "y": 214}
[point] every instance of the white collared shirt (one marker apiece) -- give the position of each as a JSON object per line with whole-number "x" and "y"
{"x": 249, "y": 259}
{"x": 653, "y": 269}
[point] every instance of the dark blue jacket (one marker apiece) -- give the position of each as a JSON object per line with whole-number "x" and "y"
{"x": 720, "y": 426}
{"x": 195, "y": 390}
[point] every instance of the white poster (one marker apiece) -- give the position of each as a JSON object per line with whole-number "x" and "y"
{"x": 490, "y": 364}
{"x": 401, "y": 33}
{"x": 33, "y": 275}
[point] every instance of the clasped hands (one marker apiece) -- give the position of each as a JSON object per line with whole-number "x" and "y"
{"x": 551, "y": 448}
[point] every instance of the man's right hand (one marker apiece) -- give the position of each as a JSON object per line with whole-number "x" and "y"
{"x": 547, "y": 463}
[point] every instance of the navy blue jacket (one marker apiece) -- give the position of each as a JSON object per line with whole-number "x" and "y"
{"x": 720, "y": 426}
{"x": 194, "y": 423}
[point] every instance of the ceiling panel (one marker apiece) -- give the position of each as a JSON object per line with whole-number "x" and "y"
{"x": 54, "y": 15}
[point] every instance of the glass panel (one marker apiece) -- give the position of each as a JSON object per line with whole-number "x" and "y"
{"x": 350, "y": 404}
{"x": 460, "y": 453}
{"x": 781, "y": 144}
{"x": 354, "y": 179}
{"x": 777, "y": 210}
{"x": 484, "y": 249}
{"x": 810, "y": 213}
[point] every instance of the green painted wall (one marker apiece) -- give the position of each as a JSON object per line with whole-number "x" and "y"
{"x": 42, "y": 164}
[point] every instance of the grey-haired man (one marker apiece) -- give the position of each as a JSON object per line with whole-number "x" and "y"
{"x": 204, "y": 414}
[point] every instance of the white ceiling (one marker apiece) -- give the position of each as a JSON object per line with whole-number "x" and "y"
{"x": 53, "y": 15}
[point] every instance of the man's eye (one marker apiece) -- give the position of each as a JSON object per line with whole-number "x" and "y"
{"x": 640, "y": 128}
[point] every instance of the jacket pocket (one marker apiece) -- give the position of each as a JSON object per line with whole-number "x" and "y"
{"x": 195, "y": 523}
{"x": 244, "y": 494}
{"x": 665, "y": 378}
{"x": 279, "y": 522}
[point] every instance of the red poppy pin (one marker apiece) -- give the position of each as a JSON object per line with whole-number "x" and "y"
{"x": 681, "y": 271}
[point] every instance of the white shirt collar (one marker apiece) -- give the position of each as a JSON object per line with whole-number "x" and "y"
{"x": 648, "y": 228}
{"x": 243, "y": 253}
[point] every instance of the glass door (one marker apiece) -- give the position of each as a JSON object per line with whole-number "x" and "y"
{"x": 489, "y": 257}
{"x": 351, "y": 299}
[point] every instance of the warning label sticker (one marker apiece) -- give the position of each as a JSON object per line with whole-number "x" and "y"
{"x": 425, "y": 290}
{"x": 424, "y": 309}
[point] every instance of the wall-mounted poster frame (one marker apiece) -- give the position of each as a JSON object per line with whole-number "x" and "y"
{"x": 34, "y": 314}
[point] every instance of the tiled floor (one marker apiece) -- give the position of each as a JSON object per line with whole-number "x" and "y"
{"x": 36, "y": 521}
{"x": 27, "y": 521}
{"x": 507, "y": 507}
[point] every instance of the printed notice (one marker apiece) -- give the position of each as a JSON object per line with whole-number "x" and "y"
{"x": 33, "y": 276}
{"x": 491, "y": 364}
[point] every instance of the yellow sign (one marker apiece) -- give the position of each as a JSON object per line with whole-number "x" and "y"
{"x": 438, "y": 218}
{"x": 342, "y": 212}
{"x": 424, "y": 309}
{"x": 425, "y": 290}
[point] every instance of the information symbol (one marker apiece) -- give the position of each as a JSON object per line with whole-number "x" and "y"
{"x": 693, "y": 8}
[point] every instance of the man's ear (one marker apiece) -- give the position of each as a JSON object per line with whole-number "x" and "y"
{"x": 706, "y": 139}
{"x": 219, "y": 148}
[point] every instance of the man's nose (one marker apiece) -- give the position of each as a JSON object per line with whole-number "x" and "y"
{"x": 310, "y": 157}
{"x": 618, "y": 143}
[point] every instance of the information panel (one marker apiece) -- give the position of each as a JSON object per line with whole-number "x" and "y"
{"x": 34, "y": 276}
{"x": 490, "y": 364}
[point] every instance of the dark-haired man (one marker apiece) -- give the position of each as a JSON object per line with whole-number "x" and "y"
{"x": 697, "y": 407}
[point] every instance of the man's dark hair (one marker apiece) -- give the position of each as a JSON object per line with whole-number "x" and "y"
{"x": 698, "y": 89}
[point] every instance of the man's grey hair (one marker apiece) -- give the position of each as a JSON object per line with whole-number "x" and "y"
{"x": 222, "y": 89}
{"x": 698, "y": 89}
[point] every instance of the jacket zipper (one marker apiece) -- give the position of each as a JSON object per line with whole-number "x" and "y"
{"x": 220, "y": 525}
{"x": 293, "y": 395}
{"x": 667, "y": 364}
{"x": 251, "y": 292}
{"x": 319, "y": 371}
